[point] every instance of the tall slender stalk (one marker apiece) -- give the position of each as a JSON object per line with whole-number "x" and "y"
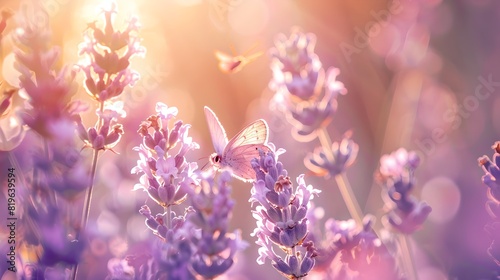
{"x": 88, "y": 196}
{"x": 407, "y": 256}
{"x": 86, "y": 207}
{"x": 168, "y": 210}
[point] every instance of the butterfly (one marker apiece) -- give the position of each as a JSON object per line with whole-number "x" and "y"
{"x": 232, "y": 64}
{"x": 241, "y": 149}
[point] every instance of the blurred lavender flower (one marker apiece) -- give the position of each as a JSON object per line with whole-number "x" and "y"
{"x": 57, "y": 273}
{"x": 396, "y": 173}
{"x": 302, "y": 90}
{"x": 166, "y": 173}
{"x": 325, "y": 253}
{"x": 49, "y": 107}
{"x": 12, "y": 132}
{"x": 55, "y": 174}
{"x": 281, "y": 216}
{"x": 490, "y": 179}
{"x": 54, "y": 237}
{"x": 50, "y": 243}
{"x": 106, "y": 63}
{"x": 359, "y": 249}
{"x": 346, "y": 250}
{"x": 344, "y": 154}
{"x": 197, "y": 243}
{"x": 215, "y": 247}
{"x": 172, "y": 253}
{"x": 120, "y": 270}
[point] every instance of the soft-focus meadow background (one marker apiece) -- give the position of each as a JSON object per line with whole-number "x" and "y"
{"x": 412, "y": 85}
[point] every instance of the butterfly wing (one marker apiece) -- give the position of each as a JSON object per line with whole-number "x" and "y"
{"x": 255, "y": 133}
{"x": 245, "y": 146}
{"x": 239, "y": 159}
{"x": 217, "y": 132}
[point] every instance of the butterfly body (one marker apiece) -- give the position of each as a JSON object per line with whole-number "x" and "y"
{"x": 233, "y": 64}
{"x": 238, "y": 152}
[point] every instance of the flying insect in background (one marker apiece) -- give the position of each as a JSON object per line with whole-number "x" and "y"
{"x": 233, "y": 64}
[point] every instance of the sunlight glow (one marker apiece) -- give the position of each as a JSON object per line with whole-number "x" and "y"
{"x": 443, "y": 196}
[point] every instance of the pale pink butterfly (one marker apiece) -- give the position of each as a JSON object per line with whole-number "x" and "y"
{"x": 238, "y": 152}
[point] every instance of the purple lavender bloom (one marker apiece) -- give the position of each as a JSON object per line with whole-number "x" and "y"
{"x": 166, "y": 173}
{"x": 64, "y": 171}
{"x": 344, "y": 154}
{"x": 49, "y": 232}
{"x": 120, "y": 270}
{"x": 198, "y": 242}
{"x": 55, "y": 174}
{"x": 281, "y": 216}
{"x": 215, "y": 246}
{"x": 396, "y": 173}
{"x": 490, "y": 179}
{"x": 172, "y": 252}
{"x": 106, "y": 69}
{"x": 492, "y": 176}
{"x": 294, "y": 53}
{"x": 105, "y": 135}
{"x": 50, "y": 92}
{"x": 57, "y": 273}
{"x": 359, "y": 249}
{"x": 303, "y": 91}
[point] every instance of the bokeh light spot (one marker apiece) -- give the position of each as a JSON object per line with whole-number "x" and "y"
{"x": 108, "y": 224}
{"x": 443, "y": 195}
{"x": 136, "y": 228}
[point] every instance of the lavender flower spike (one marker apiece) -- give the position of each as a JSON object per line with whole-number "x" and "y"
{"x": 105, "y": 65}
{"x": 396, "y": 172}
{"x": 360, "y": 251}
{"x": 302, "y": 90}
{"x": 172, "y": 252}
{"x": 166, "y": 173}
{"x": 490, "y": 179}
{"x": 281, "y": 216}
{"x": 212, "y": 205}
{"x": 344, "y": 154}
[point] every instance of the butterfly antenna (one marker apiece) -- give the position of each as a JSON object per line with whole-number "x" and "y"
{"x": 254, "y": 56}
{"x": 205, "y": 165}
